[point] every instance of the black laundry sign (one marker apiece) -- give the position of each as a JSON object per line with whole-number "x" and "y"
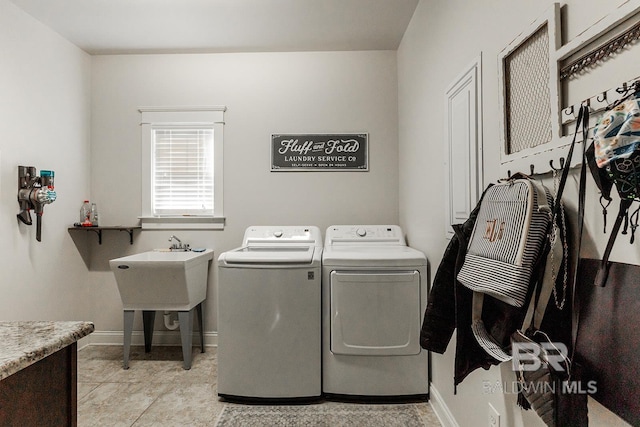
{"x": 319, "y": 152}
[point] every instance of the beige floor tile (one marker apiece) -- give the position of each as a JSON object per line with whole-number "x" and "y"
{"x": 164, "y": 366}
{"x": 96, "y": 370}
{"x": 84, "y": 388}
{"x": 101, "y": 352}
{"x": 183, "y": 405}
{"x": 147, "y": 371}
{"x": 117, "y": 404}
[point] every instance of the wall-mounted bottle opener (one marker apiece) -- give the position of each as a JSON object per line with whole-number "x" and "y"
{"x": 33, "y": 193}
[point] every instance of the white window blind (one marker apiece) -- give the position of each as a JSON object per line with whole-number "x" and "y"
{"x": 183, "y": 170}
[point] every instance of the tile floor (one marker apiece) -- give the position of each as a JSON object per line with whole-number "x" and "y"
{"x": 156, "y": 391}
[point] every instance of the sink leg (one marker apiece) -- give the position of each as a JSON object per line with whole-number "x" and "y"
{"x": 128, "y": 328}
{"x": 186, "y": 330}
{"x": 199, "y": 312}
{"x": 148, "y": 318}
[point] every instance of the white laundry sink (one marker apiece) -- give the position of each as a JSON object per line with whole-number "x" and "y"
{"x": 154, "y": 280}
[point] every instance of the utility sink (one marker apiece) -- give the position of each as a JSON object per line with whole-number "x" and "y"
{"x": 158, "y": 280}
{"x": 155, "y": 280}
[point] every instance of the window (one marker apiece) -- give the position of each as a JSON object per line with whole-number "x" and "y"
{"x": 182, "y": 168}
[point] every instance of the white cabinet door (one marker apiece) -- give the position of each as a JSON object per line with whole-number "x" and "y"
{"x": 463, "y": 135}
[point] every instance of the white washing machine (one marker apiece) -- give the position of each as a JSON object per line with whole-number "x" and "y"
{"x": 374, "y": 292}
{"x": 269, "y": 321}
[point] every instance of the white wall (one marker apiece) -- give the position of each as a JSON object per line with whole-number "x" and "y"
{"x": 444, "y": 37}
{"x": 264, "y": 93}
{"x": 44, "y": 110}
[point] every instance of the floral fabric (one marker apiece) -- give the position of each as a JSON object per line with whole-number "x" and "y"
{"x": 617, "y": 133}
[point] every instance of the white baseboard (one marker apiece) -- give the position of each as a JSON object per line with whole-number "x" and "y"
{"x": 441, "y": 409}
{"x": 162, "y": 338}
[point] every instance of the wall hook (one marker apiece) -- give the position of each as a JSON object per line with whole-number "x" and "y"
{"x": 531, "y": 167}
{"x": 569, "y": 111}
{"x": 561, "y": 164}
{"x": 604, "y": 97}
{"x": 623, "y": 90}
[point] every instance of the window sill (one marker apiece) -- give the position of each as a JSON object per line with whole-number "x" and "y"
{"x": 182, "y": 223}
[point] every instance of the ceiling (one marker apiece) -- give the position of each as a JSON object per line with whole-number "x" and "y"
{"x": 195, "y": 26}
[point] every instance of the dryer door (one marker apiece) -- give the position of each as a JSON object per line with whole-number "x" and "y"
{"x": 375, "y": 313}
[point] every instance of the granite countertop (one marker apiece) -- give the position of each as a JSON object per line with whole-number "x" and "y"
{"x": 26, "y": 342}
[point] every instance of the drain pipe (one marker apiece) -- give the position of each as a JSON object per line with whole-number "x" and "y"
{"x": 172, "y": 325}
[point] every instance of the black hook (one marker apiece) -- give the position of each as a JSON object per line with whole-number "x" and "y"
{"x": 561, "y": 164}
{"x": 604, "y": 97}
{"x": 569, "y": 111}
{"x": 531, "y": 167}
{"x": 623, "y": 90}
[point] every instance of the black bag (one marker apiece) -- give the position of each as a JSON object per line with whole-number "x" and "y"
{"x": 551, "y": 384}
{"x": 553, "y": 390}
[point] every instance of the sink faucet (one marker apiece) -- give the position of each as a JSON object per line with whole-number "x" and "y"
{"x": 178, "y": 246}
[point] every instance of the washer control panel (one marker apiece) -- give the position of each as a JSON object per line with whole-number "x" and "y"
{"x": 374, "y": 234}
{"x": 284, "y": 234}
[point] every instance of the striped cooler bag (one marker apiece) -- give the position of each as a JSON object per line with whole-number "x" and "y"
{"x": 513, "y": 222}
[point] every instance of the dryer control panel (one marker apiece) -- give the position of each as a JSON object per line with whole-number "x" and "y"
{"x": 365, "y": 234}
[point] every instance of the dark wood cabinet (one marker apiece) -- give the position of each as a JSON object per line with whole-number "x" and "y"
{"x": 43, "y": 394}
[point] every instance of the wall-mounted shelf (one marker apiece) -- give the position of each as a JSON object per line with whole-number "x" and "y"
{"x": 100, "y": 229}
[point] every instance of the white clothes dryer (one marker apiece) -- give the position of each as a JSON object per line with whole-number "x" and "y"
{"x": 269, "y": 322}
{"x": 374, "y": 293}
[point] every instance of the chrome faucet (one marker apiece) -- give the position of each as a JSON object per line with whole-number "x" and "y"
{"x": 178, "y": 246}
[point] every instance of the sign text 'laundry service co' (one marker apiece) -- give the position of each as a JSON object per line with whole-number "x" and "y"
{"x": 320, "y": 152}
